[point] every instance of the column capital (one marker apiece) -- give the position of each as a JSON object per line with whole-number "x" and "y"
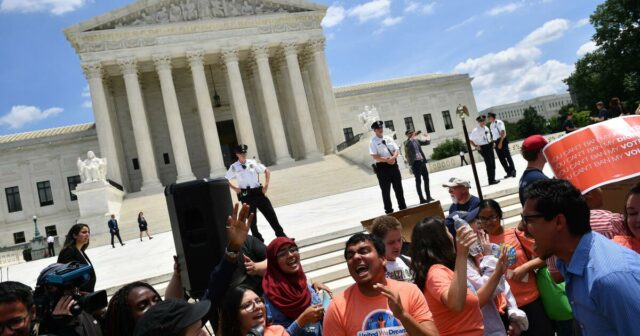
{"x": 162, "y": 62}
{"x": 290, "y": 47}
{"x": 195, "y": 57}
{"x": 304, "y": 58}
{"x": 317, "y": 44}
{"x": 260, "y": 51}
{"x": 128, "y": 66}
{"x": 230, "y": 55}
{"x": 92, "y": 70}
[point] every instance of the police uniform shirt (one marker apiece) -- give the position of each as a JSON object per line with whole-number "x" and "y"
{"x": 377, "y": 147}
{"x": 497, "y": 126}
{"x": 480, "y": 136}
{"x": 246, "y": 174}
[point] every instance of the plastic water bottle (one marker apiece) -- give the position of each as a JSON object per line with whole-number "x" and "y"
{"x": 458, "y": 223}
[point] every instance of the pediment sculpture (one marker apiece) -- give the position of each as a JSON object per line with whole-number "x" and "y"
{"x": 92, "y": 169}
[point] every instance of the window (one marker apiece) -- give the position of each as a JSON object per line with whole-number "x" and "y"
{"x": 136, "y": 164}
{"x": 165, "y": 156}
{"x": 18, "y": 237}
{"x": 72, "y": 182}
{"x": 51, "y": 230}
{"x": 389, "y": 124}
{"x": 44, "y": 193}
{"x": 13, "y": 199}
{"x": 408, "y": 123}
{"x": 348, "y": 133}
{"x": 428, "y": 122}
{"x": 448, "y": 124}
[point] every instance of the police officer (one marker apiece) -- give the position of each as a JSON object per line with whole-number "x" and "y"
{"x": 501, "y": 144}
{"x": 250, "y": 191}
{"x": 481, "y": 140}
{"x": 385, "y": 152}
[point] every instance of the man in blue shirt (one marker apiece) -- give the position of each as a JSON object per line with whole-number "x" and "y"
{"x": 602, "y": 278}
{"x": 532, "y": 152}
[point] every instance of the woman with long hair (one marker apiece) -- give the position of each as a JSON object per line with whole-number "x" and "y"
{"x": 440, "y": 270}
{"x": 631, "y": 221}
{"x": 75, "y": 243}
{"x": 521, "y": 276}
{"x": 143, "y": 226}
{"x": 290, "y": 301}
{"x": 243, "y": 312}
{"x": 126, "y": 307}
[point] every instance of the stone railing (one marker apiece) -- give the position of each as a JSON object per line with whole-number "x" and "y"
{"x": 11, "y": 257}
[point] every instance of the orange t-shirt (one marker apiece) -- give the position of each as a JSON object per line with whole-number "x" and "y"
{"x": 275, "y": 330}
{"x": 353, "y": 314}
{"x": 525, "y": 292}
{"x": 468, "y": 322}
{"x": 629, "y": 242}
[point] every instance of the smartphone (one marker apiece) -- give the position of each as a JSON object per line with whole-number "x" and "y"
{"x": 325, "y": 300}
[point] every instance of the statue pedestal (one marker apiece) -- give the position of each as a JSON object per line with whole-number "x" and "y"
{"x": 38, "y": 247}
{"x": 97, "y": 201}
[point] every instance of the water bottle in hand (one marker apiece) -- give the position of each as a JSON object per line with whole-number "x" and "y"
{"x": 458, "y": 223}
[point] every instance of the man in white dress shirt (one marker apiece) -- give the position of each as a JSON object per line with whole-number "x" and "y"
{"x": 481, "y": 140}
{"x": 385, "y": 152}
{"x": 250, "y": 191}
{"x": 501, "y": 144}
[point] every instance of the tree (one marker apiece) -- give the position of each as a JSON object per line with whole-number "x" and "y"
{"x": 512, "y": 131}
{"x": 449, "y": 148}
{"x": 532, "y": 123}
{"x": 613, "y": 70}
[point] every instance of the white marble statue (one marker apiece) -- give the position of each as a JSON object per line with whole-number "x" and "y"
{"x": 93, "y": 168}
{"x": 367, "y": 117}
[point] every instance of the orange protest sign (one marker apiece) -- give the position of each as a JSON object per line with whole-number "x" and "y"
{"x": 597, "y": 155}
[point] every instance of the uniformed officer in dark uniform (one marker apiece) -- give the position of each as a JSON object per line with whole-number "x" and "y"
{"x": 385, "y": 152}
{"x": 250, "y": 191}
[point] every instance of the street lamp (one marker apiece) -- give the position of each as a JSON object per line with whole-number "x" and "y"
{"x": 462, "y": 111}
{"x": 35, "y": 224}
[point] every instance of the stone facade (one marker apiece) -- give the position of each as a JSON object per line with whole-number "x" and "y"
{"x": 547, "y": 106}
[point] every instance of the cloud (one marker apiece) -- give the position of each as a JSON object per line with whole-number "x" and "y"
{"x": 581, "y": 23}
{"x": 416, "y": 7}
{"x": 374, "y": 9}
{"x": 550, "y": 31}
{"x": 429, "y": 8}
{"x": 463, "y": 23}
{"x": 479, "y": 33}
{"x": 391, "y": 21}
{"x": 86, "y": 95}
{"x": 56, "y": 7}
{"x": 412, "y": 6}
{"x": 22, "y": 114}
{"x": 503, "y": 9}
{"x": 335, "y": 16}
{"x": 586, "y": 48}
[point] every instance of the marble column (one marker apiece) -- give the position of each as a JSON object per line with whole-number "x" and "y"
{"x": 174, "y": 121}
{"x": 104, "y": 127}
{"x": 241, "y": 117}
{"x": 270, "y": 101}
{"x": 330, "y": 118}
{"x": 207, "y": 119}
{"x": 300, "y": 100}
{"x": 311, "y": 91}
{"x": 140, "y": 125}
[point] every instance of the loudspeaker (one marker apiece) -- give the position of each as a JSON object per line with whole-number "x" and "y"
{"x": 198, "y": 211}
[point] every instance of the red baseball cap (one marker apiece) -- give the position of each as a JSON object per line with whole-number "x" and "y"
{"x": 533, "y": 143}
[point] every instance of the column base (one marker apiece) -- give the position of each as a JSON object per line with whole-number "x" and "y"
{"x": 284, "y": 160}
{"x": 185, "y": 178}
{"x": 313, "y": 155}
{"x": 152, "y": 186}
{"x": 217, "y": 172}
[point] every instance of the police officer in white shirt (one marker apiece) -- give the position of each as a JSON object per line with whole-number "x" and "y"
{"x": 250, "y": 191}
{"x": 501, "y": 144}
{"x": 385, "y": 152}
{"x": 50, "y": 242}
{"x": 481, "y": 140}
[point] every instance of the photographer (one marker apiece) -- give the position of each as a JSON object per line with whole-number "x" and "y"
{"x": 61, "y": 308}
{"x": 17, "y": 311}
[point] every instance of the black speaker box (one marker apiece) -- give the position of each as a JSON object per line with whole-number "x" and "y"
{"x": 198, "y": 211}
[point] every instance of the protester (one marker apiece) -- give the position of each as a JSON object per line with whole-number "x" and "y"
{"x": 532, "y": 152}
{"x": 615, "y": 108}
{"x": 602, "y": 277}
{"x": 568, "y": 126}
{"x": 631, "y": 238}
{"x": 603, "y": 113}
{"x": 290, "y": 301}
{"x": 17, "y": 311}
{"x": 143, "y": 225}
{"x": 389, "y": 230}
{"x": 173, "y": 317}
{"x": 75, "y": 243}
{"x": 243, "y": 313}
{"x": 375, "y": 305}
{"x": 440, "y": 271}
{"x": 521, "y": 276}
{"x": 461, "y": 199}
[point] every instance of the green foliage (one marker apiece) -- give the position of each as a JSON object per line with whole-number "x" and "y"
{"x": 532, "y": 123}
{"x": 449, "y": 148}
{"x": 513, "y": 134}
{"x": 582, "y": 118}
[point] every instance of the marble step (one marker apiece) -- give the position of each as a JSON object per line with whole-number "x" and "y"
{"x": 330, "y": 273}
{"x": 325, "y": 260}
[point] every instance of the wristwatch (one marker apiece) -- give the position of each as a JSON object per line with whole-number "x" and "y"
{"x": 230, "y": 254}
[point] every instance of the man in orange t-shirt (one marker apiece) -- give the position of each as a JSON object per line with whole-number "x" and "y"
{"x": 374, "y": 304}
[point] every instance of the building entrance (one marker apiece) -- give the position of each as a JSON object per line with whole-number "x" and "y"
{"x": 228, "y": 140}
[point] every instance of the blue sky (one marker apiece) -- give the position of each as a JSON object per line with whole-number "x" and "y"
{"x": 513, "y": 49}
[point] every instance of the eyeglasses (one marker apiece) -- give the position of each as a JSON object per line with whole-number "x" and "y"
{"x": 14, "y": 323}
{"x": 526, "y": 218}
{"x": 293, "y": 249}
{"x": 487, "y": 219}
{"x": 250, "y": 306}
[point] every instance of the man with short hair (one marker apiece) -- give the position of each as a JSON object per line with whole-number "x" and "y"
{"x": 384, "y": 152}
{"x": 602, "y": 277}
{"x": 17, "y": 311}
{"x": 501, "y": 145}
{"x": 461, "y": 198}
{"x": 532, "y": 152}
{"x": 114, "y": 230}
{"x": 480, "y": 138}
{"x": 568, "y": 125}
{"x": 603, "y": 113}
{"x": 418, "y": 162}
{"x": 376, "y": 305}
{"x": 389, "y": 230}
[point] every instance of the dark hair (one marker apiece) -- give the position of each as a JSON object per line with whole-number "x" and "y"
{"x": 119, "y": 320}
{"x": 361, "y": 237}
{"x": 491, "y": 114}
{"x": 70, "y": 241}
{"x": 230, "y": 312}
{"x": 489, "y": 203}
{"x": 430, "y": 245}
{"x": 531, "y": 155}
{"x": 12, "y": 291}
{"x": 554, "y": 197}
{"x": 635, "y": 190}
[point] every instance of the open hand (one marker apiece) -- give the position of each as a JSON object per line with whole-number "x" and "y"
{"x": 63, "y": 307}
{"x": 238, "y": 225}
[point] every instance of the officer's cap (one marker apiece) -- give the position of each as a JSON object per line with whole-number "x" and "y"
{"x": 481, "y": 118}
{"x": 241, "y": 149}
{"x": 377, "y": 124}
